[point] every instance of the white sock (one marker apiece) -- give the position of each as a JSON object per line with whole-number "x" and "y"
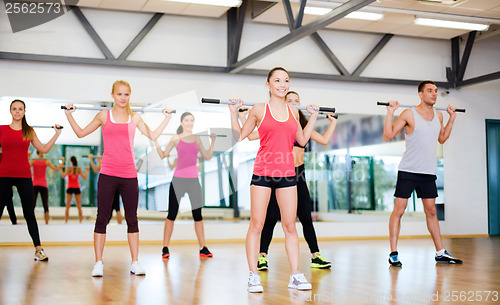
{"x": 440, "y": 252}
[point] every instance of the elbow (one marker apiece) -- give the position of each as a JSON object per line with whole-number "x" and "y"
{"x": 323, "y": 142}
{"x": 387, "y": 138}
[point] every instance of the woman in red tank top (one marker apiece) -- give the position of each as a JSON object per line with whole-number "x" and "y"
{"x": 73, "y": 187}
{"x": 274, "y": 169}
{"x": 40, "y": 186}
{"x": 15, "y": 170}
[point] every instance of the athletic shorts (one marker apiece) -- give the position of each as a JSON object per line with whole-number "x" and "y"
{"x": 274, "y": 182}
{"x": 424, "y": 184}
{"x": 73, "y": 190}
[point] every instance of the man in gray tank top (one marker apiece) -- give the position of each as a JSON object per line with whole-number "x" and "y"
{"x": 417, "y": 170}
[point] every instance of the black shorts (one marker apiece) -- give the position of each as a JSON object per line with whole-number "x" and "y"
{"x": 73, "y": 190}
{"x": 424, "y": 184}
{"x": 274, "y": 182}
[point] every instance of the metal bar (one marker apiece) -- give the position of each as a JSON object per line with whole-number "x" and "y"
{"x": 300, "y": 14}
{"x": 410, "y": 106}
{"x": 466, "y": 55}
{"x": 40, "y": 126}
{"x": 138, "y": 39}
{"x": 289, "y": 14}
{"x": 92, "y": 33}
{"x": 136, "y": 109}
{"x": 259, "y": 7}
{"x": 329, "y": 54}
{"x": 479, "y": 79}
{"x": 300, "y": 107}
{"x": 380, "y": 45}
{"x": 235, "y": 21}
{"x": 336, "y": 14}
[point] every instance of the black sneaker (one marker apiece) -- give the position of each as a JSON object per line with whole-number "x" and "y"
{"x": 447, "y": 258}
{"x": 204, "y": 252}
{"x": 393, "y": 259}
{"x": 165, "y": 253}
{"x": 262, "y": 263}
{"x": 319, "y": 262}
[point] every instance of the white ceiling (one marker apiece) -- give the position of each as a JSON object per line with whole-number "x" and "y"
{"x": 398, "y": 14}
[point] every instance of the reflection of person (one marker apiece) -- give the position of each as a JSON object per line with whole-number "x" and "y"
{"x": 304, "y": 202}
{"x": 96, "y": 167}
{"x": 9, "y": 204}
{"x": 185, "y": 180}
{"x": 40, "y": 180}
{"x": 417, "y": 170}
{"x": 73, "y": 187}
{"x": 274, "y": 169}
{"x": 15, "y": 167}
{"x": 118, "y": 168}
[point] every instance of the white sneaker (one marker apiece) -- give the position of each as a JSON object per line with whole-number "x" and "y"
{"x": 98, "y": 269}
{"x": 298, "y": 281}
{"x": 254, "y": 283}
{"x": 136, "y": 268}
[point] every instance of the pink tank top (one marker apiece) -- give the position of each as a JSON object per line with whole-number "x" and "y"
{"x": 187, "y": 154}
{"x": 73, "y": 182}
{"x": 39, "y": 171}
{"x": 275, "y": 156}
{"x": 118, "y": 159}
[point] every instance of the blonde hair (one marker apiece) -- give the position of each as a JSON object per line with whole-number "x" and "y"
{"x": 123, "y": 83}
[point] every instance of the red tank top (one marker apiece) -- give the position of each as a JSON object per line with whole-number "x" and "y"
{"x": 39, "y": 171}
{"x": 73, "y": 182}
{"x": 15, "y": 162}
{"x": 275, "y": 156}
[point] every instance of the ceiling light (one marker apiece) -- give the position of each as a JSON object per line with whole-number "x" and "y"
{"x": 228, "y": 3}
{"x": 311, "y": 10}
{"x": 451, "y": 24}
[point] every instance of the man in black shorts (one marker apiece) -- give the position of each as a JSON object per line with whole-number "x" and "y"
{"x": 417, "y": 170}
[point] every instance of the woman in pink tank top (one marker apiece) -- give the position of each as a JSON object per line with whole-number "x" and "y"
{"x": 185, "y": 180}
{"x": 118, "y": 167}
{"x": 274, "y": 169}
{"x": 73, "y": 172}
{"x": 40, "y": 186}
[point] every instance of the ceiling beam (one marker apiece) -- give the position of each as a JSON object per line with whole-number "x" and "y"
{"x": 306, "y": 30}
{"x": 138, "y": 39}
{"x": 380, "y": 45}
{"x": 466, "y": 55}
{"x": 329, "y": 54}
{"x": 479, "y": 79}
{"x": 92, "y": 33}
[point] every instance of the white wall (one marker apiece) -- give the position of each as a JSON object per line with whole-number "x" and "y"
{"x": 464, "y": 153}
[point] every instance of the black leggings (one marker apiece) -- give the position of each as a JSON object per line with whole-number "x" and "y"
{"x": 182, "y": 186}
{"x": 44, "y": 193}
{"x": 10, "y": 207}
{"x": 304, "y": 208}
{"x": 106, "y": 189}
{"x": 25, "y": 189}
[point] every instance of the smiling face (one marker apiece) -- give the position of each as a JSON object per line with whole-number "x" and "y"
{"x": 428, "y": 95}
{"x": 187, "y": 123}
{"x": 121, "y": 95}
{"x": 17, "y": 110}
{"x": 278, "y": 83}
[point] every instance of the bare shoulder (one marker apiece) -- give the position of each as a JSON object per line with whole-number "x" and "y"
{"x": 258, "y": 110}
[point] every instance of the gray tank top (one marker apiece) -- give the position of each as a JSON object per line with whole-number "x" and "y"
{"x": 420, "y": 155}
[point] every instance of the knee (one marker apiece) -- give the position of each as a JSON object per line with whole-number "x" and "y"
{"x": 289, "y": 227}
{"x": 430, "y": 211}
{"x": 256, "y": 226}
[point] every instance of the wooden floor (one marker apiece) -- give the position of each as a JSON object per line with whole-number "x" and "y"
{"x": 360, "y": 275}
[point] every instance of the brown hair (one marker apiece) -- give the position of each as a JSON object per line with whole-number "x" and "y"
{"x": 302, "y": 118}
{"x": 185, "y": 114}
{"x": 423, "y": 83}
{"x": 274, "y": 70}
{"x": 123, "y": 83}
{"x": 28, "y": 131}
